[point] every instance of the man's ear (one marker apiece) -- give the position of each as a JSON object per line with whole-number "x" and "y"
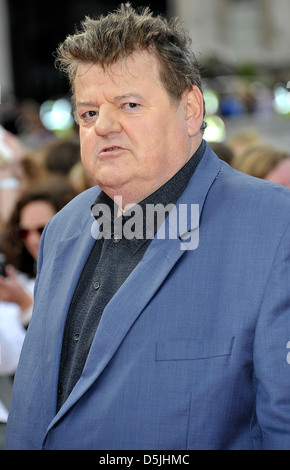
{"x": 194, "y": 110}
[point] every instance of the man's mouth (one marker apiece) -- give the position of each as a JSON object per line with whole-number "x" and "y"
{"x": 111, "y": 149}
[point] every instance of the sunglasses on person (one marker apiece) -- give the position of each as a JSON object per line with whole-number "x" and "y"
{"x": 23, "y": 233}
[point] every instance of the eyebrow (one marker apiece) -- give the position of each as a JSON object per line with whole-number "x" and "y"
{"x": 127, "y": 96}
{"x": 116, "y": 99}
{"x": 86, "y": 103}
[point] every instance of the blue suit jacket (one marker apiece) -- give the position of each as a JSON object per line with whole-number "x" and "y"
{"x": 191, "y": 353}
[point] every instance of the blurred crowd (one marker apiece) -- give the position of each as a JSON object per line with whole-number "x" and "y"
{"x": 249, "y": 153}
{"x": 40, "y": 172}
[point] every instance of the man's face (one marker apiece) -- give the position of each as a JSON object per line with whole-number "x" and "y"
{"x": 133, "y": 139}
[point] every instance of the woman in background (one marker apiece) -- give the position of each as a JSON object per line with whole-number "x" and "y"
{"x": 265, "y": 162}
{"x": 21, "y": 240}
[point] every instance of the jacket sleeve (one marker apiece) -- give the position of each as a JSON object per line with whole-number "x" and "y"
{"x": 272, "y": 354}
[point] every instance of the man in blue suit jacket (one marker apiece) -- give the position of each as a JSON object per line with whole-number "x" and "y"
{"x": 174, "y": 340}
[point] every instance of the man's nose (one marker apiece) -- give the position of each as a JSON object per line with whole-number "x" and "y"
{"x": 107, "y": 121}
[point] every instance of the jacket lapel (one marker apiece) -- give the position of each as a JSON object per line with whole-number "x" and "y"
{"x": 147, "y": 277}
{"x": 67, "y": 266}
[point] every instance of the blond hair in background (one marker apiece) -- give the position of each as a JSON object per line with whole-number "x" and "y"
{"x": 262, "y": 161}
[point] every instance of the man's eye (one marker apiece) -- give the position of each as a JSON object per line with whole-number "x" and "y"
{"x": 131, "y": 106}
{"x": 88, "y": 116}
